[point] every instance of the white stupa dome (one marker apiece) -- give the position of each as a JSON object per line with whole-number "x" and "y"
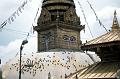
{"x": 57, "y": 65}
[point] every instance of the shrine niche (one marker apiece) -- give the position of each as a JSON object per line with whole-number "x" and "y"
{"x": 45, "y": 17}
{"x": 71, "y": 16}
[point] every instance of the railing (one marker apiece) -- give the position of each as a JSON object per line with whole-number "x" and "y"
{"x": 59, "y": 22}
{"x": 57, "y": 0}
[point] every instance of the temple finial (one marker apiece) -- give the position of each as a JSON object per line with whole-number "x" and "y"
{"x": 115, "y": 25}
{"x": 115, "y": 13}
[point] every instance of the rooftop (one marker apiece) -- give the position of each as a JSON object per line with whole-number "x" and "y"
{"x": 101, "y": 70}
{"x": 108, "y": 38}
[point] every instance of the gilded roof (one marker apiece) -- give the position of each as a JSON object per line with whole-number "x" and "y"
{"x": 108, "y": 37}
{"x": 112, "y": 36}
{"x": 98, "y": 70}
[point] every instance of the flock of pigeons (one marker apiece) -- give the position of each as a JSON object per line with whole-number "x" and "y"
{"x": 47, "y": 64}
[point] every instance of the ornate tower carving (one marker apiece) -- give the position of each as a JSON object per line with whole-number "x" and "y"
{"x": 58, "y": 26}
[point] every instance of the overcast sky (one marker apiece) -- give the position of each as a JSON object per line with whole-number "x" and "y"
{"x": 13, "y": 34}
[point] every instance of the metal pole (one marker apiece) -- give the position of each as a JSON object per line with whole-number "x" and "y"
{"x": 21, "y": 48}
{"x": 20, "y": 61}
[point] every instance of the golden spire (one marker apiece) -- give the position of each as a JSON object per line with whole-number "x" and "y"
{"x": 115, "y": 25}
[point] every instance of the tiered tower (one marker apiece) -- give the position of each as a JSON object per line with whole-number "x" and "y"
{"x": 58, "y": 26}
